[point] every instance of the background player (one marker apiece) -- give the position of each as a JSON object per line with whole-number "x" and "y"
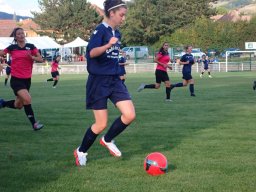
{"x": 23, "y": 56}
{"x": 54, "y": 71}
{"x": 162, "y": 59}
{"x": 187, "y": 60}
{"x": 8, "y": 71}
{"x": 122, "y": 64}
{"x": 206, "y": 62}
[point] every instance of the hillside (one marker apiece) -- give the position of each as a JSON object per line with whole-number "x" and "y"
{"x": 5, "y": 16}
{"x": 244, "y": 6}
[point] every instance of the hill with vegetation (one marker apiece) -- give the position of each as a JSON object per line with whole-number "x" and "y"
{"x": 247, "y": 7}
{"x": 8, "y": 16}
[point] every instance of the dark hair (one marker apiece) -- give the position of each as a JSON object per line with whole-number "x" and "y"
{"x": 161, "y": 50}
{"x": 187, "y": 46}
{"x": 55, "y": 57}
{"x": 13, "y": 34}
{"x": 112, "y": 5}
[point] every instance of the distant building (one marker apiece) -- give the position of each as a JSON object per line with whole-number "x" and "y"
{"x": 6, "y": 27}
{"x": 29, "y": 26}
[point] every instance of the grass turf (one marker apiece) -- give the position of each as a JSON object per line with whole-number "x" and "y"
{"x": 209, "y": 140}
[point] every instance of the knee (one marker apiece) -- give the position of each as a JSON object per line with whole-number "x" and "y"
{"x": 128, "y": 117}
{"x": 157, "y": 86}
{"x": 27, "y": 101}
{"x": 99, "y": 127}
{"x": 18, "y": 106}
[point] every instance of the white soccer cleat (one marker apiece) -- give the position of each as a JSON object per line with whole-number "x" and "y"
{"x": 80, "y": 157}
{"x": 201, "y": 75}
{"x": 141, "y": 87}
{"x": 37, "y": 126}
{"x": 210, "y": 76}
{"x": 111, "y": 147}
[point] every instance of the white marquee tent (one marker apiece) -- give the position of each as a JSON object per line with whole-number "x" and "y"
{"x": 40, "y": 42}
{"x": 78, "y": 42}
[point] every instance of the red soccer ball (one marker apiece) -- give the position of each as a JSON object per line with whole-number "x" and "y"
{"x": 155, "y": 164}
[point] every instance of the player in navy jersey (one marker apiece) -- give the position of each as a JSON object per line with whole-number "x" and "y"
{"x": 122, "y": 64}
{"x": 162, "y": 59}
{"x": 103, "y": 82}
{"x": 187, "y": 61}
{"x": 206, "y": 62}
{"x": 23, "y": 56}
{"x": 8, "y": 71}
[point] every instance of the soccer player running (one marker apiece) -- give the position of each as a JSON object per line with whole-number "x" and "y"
{"x": 103, "y": 82}
{"x": 23, "y": 56}
{"x": 162, "y": 59}
{"x": 122, "y": 64}
{"x": 206, "y": 62}
{"x": 187, "y": 60}
{"x": 8, "y": 71}
{"x": 54, "y": 71}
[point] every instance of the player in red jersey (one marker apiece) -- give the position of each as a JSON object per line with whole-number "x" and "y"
{"x": 54, "y": 71}
{"x": 162, "y": 59}
{"x": 23, "y": 56}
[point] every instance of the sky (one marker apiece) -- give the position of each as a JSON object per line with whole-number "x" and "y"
{"x": 24, "y": 7}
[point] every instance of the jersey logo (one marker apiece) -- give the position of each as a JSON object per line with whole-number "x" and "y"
{"x": 94, "y": 32}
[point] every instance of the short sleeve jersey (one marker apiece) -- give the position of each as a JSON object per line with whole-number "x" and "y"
{"x": 22, "y": 63}
{"x": 187, "y": 67}
{"x": 163, "y": 58}
{"x": 206, "y": 63}
{"x": 107, "y": 63}
{"x": 55, "y": 66}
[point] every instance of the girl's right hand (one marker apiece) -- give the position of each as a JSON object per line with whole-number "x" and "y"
{"x": 113, "y": 41}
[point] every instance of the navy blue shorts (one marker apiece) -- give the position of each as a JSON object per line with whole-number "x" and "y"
{"x": 122, "y": 71}
{"x": 161, "y": 76}
{"x": 100, "y": 88}
{"x": 8, "y": 70}
{"x": 187, "y": 76}
{"x": 55, "y": 74}
{"x": 18, "y": 84}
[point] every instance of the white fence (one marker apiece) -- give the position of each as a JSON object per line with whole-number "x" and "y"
{"x": 150, "y": 67}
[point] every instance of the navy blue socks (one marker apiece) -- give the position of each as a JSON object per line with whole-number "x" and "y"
{"x": 116, "y": 128}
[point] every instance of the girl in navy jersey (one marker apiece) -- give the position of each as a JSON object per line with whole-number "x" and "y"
{"x": 122, "y": 64}
{"x": 187, "y": 61}
{"x": 23, "y": 56}
{"x": 103, "y": 82}
{"x": 162, "y": 59}
{"x": 8, "y": 71}
{"x": 54, "y": 71}
{"x": 206, "y": 62}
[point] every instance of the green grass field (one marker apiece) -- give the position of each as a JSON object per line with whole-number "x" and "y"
{"x": 209, "y": 140}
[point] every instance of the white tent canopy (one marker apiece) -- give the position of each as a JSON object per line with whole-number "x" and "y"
{"x": 78, "y": 42}
{"x": 40, "y": 42}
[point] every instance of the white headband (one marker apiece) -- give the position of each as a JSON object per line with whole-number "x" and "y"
{"x": 122, "y": 4}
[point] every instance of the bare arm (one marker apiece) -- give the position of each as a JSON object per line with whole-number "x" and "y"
{"x": 36, "y": 57}
{"x": 123, "y": 64}
{"x": 2, "y": 53}
{"x": 97, "y": 51}
{"x": 183, "y": 63}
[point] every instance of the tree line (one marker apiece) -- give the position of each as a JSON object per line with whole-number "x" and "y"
{"x": 148, "y": 22}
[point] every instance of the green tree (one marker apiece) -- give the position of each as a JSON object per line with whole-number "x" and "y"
{"x": 147, "y": 20}
{"x": 66, "y": 19}
{"x": 207, "y": 34}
